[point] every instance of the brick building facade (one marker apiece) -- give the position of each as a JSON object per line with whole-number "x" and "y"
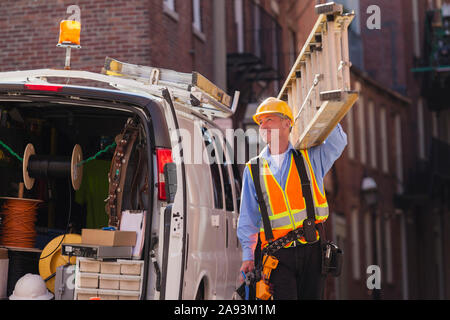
{"x": 141, "y": 32}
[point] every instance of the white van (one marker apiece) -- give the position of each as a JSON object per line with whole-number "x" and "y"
{"x": 190, "y": 246}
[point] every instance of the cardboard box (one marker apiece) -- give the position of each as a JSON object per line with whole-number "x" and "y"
{"x": 89, "y": 265}
{"x": 88, "y": 281}
{"x": 130, "y": 284}
{"x": 109, "y": 283}
{"x": 110, "y": 268}
{"x": 129, "y": 297}
{"x": 131, "y": 267}
{"x": 108, "y": 237}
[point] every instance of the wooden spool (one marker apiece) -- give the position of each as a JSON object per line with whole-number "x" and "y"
{"x": 52, "y": 166}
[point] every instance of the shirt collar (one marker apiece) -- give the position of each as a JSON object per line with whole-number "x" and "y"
{"x": 265, "y": 153}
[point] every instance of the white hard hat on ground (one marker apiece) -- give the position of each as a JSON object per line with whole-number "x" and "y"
{"x": 31, "y": 287}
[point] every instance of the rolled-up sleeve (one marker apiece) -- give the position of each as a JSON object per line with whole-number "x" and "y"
{"x": 249, "y": 217}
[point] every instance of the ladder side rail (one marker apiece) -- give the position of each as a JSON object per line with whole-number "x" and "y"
{"x": 145, "y": 72}
{"x": 346, "y": 56}
{"x": 296, "y": 83}
{"x": 304, "y": 95}
{"x": 312, "y": 58}
{"x": 320, "y": 71}
{"x": 326, "y": 59}
{"x": 205, "y": 97}
{"x": 339, "y": 58}
{"x": 309, "y": 85}
{"x": 332, "y": 55}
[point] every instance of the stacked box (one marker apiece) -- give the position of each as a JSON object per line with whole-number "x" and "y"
{"x": 118, "y": 280}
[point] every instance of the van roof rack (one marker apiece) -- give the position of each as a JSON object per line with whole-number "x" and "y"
{"x": 193, "y": 89}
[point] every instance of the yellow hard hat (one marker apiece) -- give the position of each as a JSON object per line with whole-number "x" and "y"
{"x": 273, "y": 105}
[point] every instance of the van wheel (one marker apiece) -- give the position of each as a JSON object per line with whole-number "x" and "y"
{"x": 200, "y": 292}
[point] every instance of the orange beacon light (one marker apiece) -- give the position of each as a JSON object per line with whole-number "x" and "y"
{"x": 69, "y": 33}
{"x": 69, "y": 37}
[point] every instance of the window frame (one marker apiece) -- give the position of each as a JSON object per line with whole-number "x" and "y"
{"x": 215, "y": 170}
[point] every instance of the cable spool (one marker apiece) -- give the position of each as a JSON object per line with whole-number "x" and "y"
{"x": 19, "y": 216}
{"x": 36, "y": 166}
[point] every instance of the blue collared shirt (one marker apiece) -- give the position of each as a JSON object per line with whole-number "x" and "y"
{"x": 322, "y": 158}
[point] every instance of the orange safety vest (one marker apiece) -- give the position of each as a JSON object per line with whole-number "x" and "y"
{"x": 286, "y": 207}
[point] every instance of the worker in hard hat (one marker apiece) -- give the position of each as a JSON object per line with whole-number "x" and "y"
{"x": 298, "y": 273}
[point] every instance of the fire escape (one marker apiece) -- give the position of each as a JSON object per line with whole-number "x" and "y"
{"x": 430, "y": 179}
{"x": 256, "y": 61}
{"x": 435, "y": 67}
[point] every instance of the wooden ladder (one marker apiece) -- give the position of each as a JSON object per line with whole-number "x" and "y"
{"x": 318, "y": 86}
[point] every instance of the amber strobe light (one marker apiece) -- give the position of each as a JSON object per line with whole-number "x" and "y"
{"x": 69, "y": 33}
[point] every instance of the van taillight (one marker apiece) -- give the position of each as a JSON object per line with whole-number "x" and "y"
{"x": 163, "y": 156}
{"x": 43, "y": 87}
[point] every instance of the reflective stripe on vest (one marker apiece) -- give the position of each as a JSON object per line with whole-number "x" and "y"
{"x": 286, "y": 207}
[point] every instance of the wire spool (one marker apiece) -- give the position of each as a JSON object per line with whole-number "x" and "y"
{"x": 51, "y": 257}
{"x": 36, "y": 166}
{"x": 19, "y": 216}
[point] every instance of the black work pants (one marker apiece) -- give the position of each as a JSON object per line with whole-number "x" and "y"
{"x": 298, "y": 275}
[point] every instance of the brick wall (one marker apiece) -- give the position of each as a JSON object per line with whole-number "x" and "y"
{"x": 347, "y": 176}
{"x": 134, "y": 31}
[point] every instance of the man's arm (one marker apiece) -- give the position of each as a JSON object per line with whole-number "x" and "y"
{"x": 323, "y": 156}
{"x": 249, "y": 217}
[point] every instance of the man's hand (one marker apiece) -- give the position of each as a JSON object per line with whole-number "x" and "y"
{"x": 247, "y": 266}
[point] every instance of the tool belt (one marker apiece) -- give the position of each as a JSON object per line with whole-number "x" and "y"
{"x": 308, "y": 232}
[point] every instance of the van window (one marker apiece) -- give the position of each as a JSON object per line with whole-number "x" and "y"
{"x": 214, "y": 166}
{"x": 225, "y": 162}
{"x": 233, "y": 167}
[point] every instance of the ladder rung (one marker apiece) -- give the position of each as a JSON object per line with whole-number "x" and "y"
{"x": 329, "y": 8}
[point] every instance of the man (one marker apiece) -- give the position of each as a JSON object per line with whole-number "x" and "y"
{"x": 298, "y": 274}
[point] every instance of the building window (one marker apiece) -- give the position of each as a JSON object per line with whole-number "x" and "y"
{"x": 292, "y": 47}
{"x": 416, "y": 24}
{"x": 388, "y": 249}
{"x": 275, "y": 7}
{"x": 355, "y": 244}
{"x": 239, "y": 20}
{"x": 361, "y": 125}
{"x": 372, "y": 135}
{"x": 350, "y": 134}
{"x": 169, "y": 4}
{"x": 398, "y": 153}
{"x": 421, "y": 129}
{"x": 197, "y": 15}
{"x": 169, "y": 8}
{"x": 257, "y": 32}
{"x": 368, "y": 242}
{"x": 340, "y": 238}
{"x": 434, "y": 125}
{"x": 384, "y": 141}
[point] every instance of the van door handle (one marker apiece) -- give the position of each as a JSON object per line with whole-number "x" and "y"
{"x": 215, "y": 220}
